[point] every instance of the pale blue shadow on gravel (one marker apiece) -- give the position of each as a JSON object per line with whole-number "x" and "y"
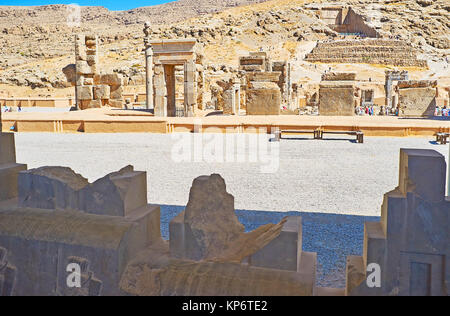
{"x": 332, "y": 236}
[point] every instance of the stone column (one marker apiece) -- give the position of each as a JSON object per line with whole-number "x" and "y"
{"x": 148, "y": 67}
{"x": 190, "y": 95}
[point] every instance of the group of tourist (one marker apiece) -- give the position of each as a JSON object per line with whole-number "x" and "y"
{"x": 366, "y": 110}
{"x": 9, "y": 109}
{"x": 442, "y": 112}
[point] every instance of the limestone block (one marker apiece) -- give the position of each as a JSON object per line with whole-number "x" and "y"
{"x": 42, "y": 243}
{"x": 83, "y": 68}
{"x": 85, "y": 93}
{"x": 117, "y": 194}
{"x": 9, "y": 180}
{"x": 101, "y": 92}
{"x": 228, "y": 98}
{"x": 403, "y": 84}
{"x": 283, "y": 252}
{"x": 50, "y": 188}
{"x": 339, "y": 76}
{"x": 7, "y": 148}
{"x": 116, "y": 92}
{"x": 93, "y": 104}
{"x": 263, "y": 98}
{"x": 88, "y": 82}
{"x": 115, "y": 103}
{"x": 264, "y": 76}
{"x": 111, "y": 79}
{"x": 92, "y": 60}
{"x": 417, "y": 102}
{"x": 337, "y": 100}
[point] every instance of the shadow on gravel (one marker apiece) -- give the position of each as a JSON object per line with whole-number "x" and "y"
{"x": 332, "y": 236}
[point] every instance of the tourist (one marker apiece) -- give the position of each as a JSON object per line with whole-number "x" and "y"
{"x": 19, "y": 108}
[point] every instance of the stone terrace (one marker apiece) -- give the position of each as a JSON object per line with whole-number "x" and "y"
{"x": 373, "y": 51}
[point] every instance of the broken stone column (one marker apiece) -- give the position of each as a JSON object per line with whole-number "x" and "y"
{"x": 148, "y": 66}
{"x": 94, "y": 90}
{"x": 409, "y": 248}
{"x": 390, "y": 77}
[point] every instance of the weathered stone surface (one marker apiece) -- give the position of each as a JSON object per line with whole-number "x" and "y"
{"x": 84, "y": 93}
{"x": 209, "y": 218}
{"x": 42, "y": 243}
{"x": 83, "y": 68}
{"x": 9, "y": 169}
{"x": 50, "y": 188}
{"x": 402, "y": 84}
{"x": 71, "y": 73}
{"x": 102, "y": 92}
{"x": 154, "y": 273}
{"x": 337, "y": 99}
{"x": 283, "y": 252}
{"x": 109, "y": 79}
{"x": 411, "y": 243}
{"x": 263, "y": 98}
{"x": 417, "y": 102}
{"x": 117, "y": 194}
{"x": 7, "y": 148}
{"x": 339, "y": 76}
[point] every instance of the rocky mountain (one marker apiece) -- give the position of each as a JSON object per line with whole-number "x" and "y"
{"x": 36, "y": 42}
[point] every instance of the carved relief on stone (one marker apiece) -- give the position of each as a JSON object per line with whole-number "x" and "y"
{"x": 7, "y": 274}
{"x": 89, "y": 285}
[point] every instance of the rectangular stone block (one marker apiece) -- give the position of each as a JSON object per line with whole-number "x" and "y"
{"x": 117, "y": 194}
{"x": 425, "y": 170}
{"x": 116, "y": 92}
{"x": 9, "y": 180}
{"x": 282, "y": 253}
{"x": 337, "y": 100}
{"x": 263, "y": 99}
{"x": 102, "y": 92}
{"x": 417, "y": 102}
{"x": 7, "y": 148}
{"x": 83, "y": 68}
{"x": 85, "y": 93}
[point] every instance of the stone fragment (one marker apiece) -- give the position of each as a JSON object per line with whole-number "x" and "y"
{"x": 102, "y": 92}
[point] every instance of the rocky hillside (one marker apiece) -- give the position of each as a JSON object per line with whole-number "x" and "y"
{"x": 39, "y": 43}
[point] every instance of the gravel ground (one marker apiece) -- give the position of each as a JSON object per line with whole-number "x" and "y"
{"x": 329, "y": 176}
{"x": 312, "y": 178}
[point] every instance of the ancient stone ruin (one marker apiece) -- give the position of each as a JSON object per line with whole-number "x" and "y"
{"x": 52, "y": 220}
{"x": 416, "y": 98}
{"x": 337, "y": 94}
{"x": 92, "y": 89}
{"x": 411, "y": 243}
{"x": 391, "y": 79}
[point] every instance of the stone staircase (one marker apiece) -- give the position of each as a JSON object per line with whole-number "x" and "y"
{"x": 368, "y": 51}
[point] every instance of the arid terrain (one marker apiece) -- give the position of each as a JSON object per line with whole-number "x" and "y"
{"x": 37, "y": 43}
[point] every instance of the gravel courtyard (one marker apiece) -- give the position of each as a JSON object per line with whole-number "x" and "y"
{"x": 330, "y": 176}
